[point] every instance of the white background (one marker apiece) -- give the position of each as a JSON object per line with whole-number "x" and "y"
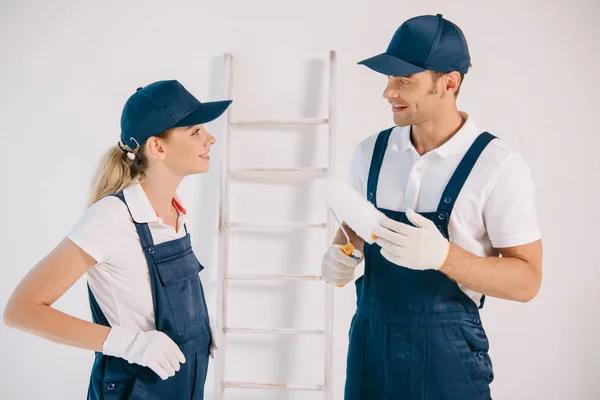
{"x": 67, "y": 68}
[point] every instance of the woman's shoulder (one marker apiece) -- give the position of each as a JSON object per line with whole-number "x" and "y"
{"x": 109, "y": 212}
{"x": 98, "y": 230}
{"x": 109, "y": 205}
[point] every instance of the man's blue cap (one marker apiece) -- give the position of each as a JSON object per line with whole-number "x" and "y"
{"x": 423, "y": 43}
{"x": 163, "y": 105}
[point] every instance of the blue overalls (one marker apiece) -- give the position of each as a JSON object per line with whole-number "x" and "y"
{"x": 415, "y": 334}
{"x": 180, "y": 312}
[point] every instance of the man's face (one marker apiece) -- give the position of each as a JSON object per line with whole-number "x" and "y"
{"x": 415, "y": 99}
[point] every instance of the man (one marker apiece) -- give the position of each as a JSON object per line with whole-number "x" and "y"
{"x": 417, "y": 333}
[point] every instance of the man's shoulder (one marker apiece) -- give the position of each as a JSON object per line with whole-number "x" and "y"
{"x": 500, "y": 152}
{"x": 366, "y": 145}
{"x": 500, "y": 157}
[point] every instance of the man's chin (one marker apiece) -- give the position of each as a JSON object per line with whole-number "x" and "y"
{"x": 401, "y": 122}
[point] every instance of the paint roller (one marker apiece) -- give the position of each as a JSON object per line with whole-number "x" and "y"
{"x": 358, "y": 213}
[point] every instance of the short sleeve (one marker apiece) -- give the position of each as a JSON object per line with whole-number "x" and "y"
{"x": 509, "y": 213}
{"x": 97, "y": 231}
{"x": 359, "y": 168}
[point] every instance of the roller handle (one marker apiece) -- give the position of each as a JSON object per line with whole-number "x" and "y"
{"x": 348, "y": 248}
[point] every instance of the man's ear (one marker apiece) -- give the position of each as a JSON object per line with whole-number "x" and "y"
{"x": 451, "y": 82}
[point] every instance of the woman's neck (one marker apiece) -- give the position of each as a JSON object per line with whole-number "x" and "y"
{"x": 160, "y": 191}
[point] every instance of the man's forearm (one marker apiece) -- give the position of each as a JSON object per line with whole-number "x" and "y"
{"x": 509, "y": 277}
{"x": 340, "y": 238}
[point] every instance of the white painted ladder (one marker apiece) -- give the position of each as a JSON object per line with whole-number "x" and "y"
{"x": 225, "y": 225}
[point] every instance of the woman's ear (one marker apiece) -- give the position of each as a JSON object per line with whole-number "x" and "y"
{"x": 155, "y": 148}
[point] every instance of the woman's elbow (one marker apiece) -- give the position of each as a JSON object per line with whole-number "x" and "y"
{"x": 15, "y": 314}
{"x": 10, "y": 315}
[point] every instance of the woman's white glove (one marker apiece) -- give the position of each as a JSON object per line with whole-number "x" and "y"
{"x": 417, "y": 247}
{"x": 214, "y": 345}
{"x": 152, "y": 349}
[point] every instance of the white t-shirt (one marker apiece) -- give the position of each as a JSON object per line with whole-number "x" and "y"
{"x": 495, "y": 208}
{"x": 120, "y": 280}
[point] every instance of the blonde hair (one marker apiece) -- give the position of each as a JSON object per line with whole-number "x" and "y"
{"x": 116, "y": 172}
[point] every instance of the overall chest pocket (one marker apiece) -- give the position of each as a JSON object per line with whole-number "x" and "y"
{"x": 179, "y": 277}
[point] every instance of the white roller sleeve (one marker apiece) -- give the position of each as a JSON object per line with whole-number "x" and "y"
{"x": 351, "y": 207}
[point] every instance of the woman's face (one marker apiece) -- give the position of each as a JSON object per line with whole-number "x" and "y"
{"x": 186, "y": 151}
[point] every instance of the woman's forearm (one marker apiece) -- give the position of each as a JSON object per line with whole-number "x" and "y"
{"x": 44, "y": 321}
{"x": 57, "y": 326}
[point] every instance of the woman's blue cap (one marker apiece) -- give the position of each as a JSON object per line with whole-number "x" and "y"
{"x": 163, "y": 105}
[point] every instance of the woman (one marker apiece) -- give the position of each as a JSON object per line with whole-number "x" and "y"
{"x": 151, "y": 329}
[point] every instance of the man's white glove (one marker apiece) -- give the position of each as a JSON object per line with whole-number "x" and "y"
{"x": 214, "y": 345}
{"x": 337, "y": 267}
{"x": 152, "y": 349}
{"x": 418, "y": 247}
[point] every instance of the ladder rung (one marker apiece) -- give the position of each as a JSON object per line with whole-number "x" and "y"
{"x": 297, "y": 225}
{"x": 281, "y": 122}
{"x": 278, "y": 174}
{"x": 292, "y": 386}
{"x": 275, "y": 277}
{"x": 284, "y": 331}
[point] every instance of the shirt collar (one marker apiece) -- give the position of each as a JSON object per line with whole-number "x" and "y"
{"x": 404, "y": 143}
{"x": 140, "y": 207}
{"x": 458, "y": 144}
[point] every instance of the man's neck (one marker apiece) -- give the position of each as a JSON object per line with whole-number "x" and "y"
{"x": 432, "y": 134}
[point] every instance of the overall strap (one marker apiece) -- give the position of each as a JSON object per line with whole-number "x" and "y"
{"x": 462, "y": 172}
{"x": 142, "y": 229}
{"x": 376, "y": 161}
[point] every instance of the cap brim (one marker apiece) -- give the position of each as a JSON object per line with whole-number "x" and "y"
{"x": 389, "y": 65}
{"x": 204, "y": 113}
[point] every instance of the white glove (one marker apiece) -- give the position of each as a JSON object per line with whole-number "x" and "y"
{"x": 152, "y": 349}
{"x": 337, "y": 267}
{"x": 213, "y": 337}
{"x": 420, "y": 248}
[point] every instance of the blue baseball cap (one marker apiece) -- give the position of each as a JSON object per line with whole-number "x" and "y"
{"x": 423, "y": 43}
{"x": 164, "y": 105}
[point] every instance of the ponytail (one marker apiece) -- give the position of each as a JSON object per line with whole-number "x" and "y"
{"x": 116, "y": 171}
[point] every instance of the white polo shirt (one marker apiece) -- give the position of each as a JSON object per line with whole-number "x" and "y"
{"x": 495, "y": 208}
{"x": 120, "y": 280}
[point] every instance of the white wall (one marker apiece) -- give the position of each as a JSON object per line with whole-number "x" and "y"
{"x": 68, "y": 66}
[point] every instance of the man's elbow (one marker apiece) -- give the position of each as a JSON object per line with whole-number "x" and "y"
{"x": 527, "y": 296}
{"x": 531, "y": 290}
